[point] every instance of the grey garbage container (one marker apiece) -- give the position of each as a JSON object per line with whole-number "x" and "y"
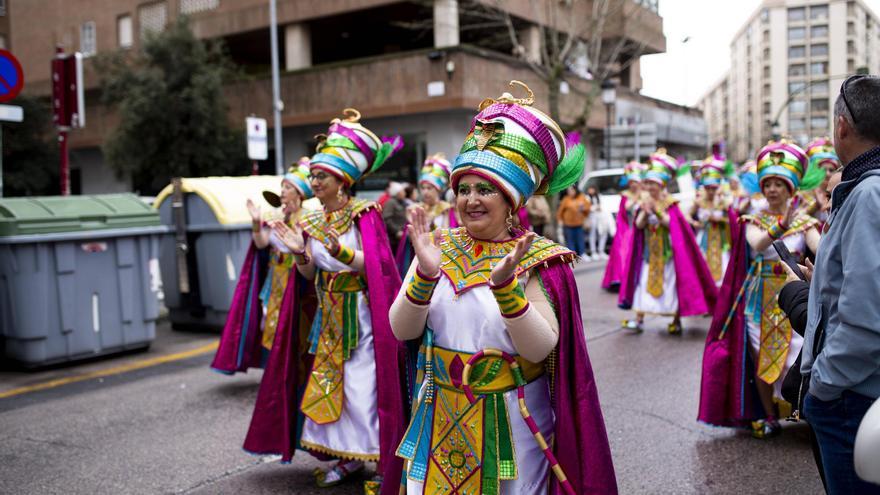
{"x": 200, "y": 266}
{"x": 78, "y": 276}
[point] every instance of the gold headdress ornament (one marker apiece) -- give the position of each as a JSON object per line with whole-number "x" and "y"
{"x": 508, "y": 98}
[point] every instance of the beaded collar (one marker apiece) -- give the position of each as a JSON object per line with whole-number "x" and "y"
{"x": 316, "y": 223}
{"x": 765, "y": 220}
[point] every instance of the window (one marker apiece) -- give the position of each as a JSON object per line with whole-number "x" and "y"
{"x": 797, "y": 70}
{"x": 819, "y": 105}
{"x": 2, "y": 7}
{"x": 797, "y": 14}
{"x": 819, "y": 50}
{"x": 124, "y": 34}
{"x": 87, "y": 42}
{"x": 850, "y": 28}
{"x": 797, "y": 106}
{"x": 152, "y": 18}
{"x": 819, "y": 31}
{"x": 851, "y": 47}
{"x": 819, "y": 12}
{"x": 796, "y": 87}
{"x": 850, "y": 8}
{"x": 2, "y": 42}
{"x": 766, "y": 71}
{"x": 193, "y": 6}
{"x": 765, "y": 15}
{"x": 819, "y": 123}
{"x": 797, "y": 51}
{"x": 819, "y": 87}
{"x": 766, "y": 108}
{"x": 796, "y": 33}
{"x": 797, "y": 125}
{"x": 819, "y": 68}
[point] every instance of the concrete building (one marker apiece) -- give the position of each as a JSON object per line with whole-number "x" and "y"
{"x": 786, "y": 66}
{"x": 415, "y": 68}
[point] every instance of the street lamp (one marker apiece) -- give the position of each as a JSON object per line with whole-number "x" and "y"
{"x": 609, "y": 95}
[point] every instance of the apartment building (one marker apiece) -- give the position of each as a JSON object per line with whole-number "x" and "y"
{"x": 786, "y": 66}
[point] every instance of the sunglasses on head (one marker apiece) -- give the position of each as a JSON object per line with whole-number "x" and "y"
{"x": 843, "y": 94}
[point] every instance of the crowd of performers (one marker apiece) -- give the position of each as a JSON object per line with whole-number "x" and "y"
{"x": 719, "y": 260}
{"x": 470, "y": 373}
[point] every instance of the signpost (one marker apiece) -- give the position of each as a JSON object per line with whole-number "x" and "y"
{"x": 11, "y": 82}
{"x": 257, "y": 143}
{"x": 68, "y": 104}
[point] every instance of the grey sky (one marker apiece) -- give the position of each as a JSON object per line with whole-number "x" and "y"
{"x": 687, "y": 70}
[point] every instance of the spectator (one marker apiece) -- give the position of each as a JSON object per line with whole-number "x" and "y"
{"x": 539, "y": 213}
{"x": 394, "y": 213}
{"x": 573, "y": 210}
{"x": 600, "y": 223}
{"x": 383, "y": 198}
{"x": 844, "y": 299}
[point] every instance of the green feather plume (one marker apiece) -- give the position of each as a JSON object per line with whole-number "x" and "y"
{"x": 568, "y": 171}
{"x": 729, "y": 168}
{"x": 813, "y": 178}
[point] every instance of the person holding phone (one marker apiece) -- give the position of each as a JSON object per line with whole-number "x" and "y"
{"x": 748, "y": 303}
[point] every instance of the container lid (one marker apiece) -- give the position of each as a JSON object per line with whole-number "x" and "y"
{"x": 54, "y": 214}
{"x": 226, "y": 196}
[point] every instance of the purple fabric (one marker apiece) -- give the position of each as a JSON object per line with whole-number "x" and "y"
{"x": 532, "y": 124}
{"x": 240, "y": 342}
{"x": 364, "y": 148}
{"x": 695, "y": 286}
{"x": 453, "y": 220}
{"x": 614, "y": 268}
{"x": 405, "y": 254}
{"x": 523, "y": 216}
{"x": 383, "y": 283}
{"x": 727, "y": 398}
{"x": 580, "y": 440}
{"x": 274, "y": 423}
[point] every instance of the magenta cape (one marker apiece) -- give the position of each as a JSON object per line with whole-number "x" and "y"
{"x": 727, "y": 392}
{"x": 614, "y": 268}
{"x": 695, "y": 286}
{"x": 240, "y": 342}
{"x": 273, "y": 428}
{"x": 580, "y": 440}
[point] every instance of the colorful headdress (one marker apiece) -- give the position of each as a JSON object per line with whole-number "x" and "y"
{"x": 821, "y": 154}
{"x": 784, "y": 160}
{"x": 435, "y": 171}
{"x": 633, "y": 172}
{"x": 350, "y": 151}
{"x": 519, "y": 149}
{"x": 298, "y": 177}
{"x": 661, "y": 167}
{"x": 712, "y": 171}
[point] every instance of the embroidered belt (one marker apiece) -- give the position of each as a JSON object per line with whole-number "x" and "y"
{"x": 333, "y": 337}
{"x": 455, "y": 446}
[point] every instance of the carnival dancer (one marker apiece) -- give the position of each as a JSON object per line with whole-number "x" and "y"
{"x": 750, "y": 340}
{"x": 711, "y": 216}
{"x": 751, "y": 199}
{"x": 433, "y": 182}
{"x": 665, "y": 273}
{"x": 823, "y": 158}
{"x": 251, "y": 325}
{"x": 491, "y": 292}
{"x": 629, "y": 200}
{"x": 352, "y": 404}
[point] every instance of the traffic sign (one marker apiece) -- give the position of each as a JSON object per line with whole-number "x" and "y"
{"x": 258, "y": 145}
{"x": 11, "y": 76}
{"x": 11, "y": 113}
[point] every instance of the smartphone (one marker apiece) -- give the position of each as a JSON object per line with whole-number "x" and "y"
{"x": 787, "y": 258}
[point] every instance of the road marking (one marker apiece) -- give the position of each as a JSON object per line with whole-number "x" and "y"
{"x": 116, "y": 370}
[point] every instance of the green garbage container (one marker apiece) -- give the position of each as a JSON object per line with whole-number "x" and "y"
{"x": 79, "y": 276}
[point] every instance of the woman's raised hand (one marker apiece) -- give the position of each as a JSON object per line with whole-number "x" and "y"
{"x": 788, "y": 217}
{"x": 507, "y": 266}
{"x": 331, "y": 241}
{"x": 424, "y": 245}
{"x": 254, "y": 210}
{"x": 290, "y": 237}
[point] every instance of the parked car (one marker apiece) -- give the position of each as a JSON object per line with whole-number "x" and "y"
{"x": 608, "y": 183}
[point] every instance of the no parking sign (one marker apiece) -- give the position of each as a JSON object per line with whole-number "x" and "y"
{"x": 11, "y": 76}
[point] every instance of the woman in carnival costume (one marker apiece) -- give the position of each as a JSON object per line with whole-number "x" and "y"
{"x": 629, "y": 201}
{"x": 749, "y": 200}
{"x": 711, "y": 215}
{"x": 351, "y": 405}
{"x": 491, "y": 292}
{"x": 433, "y": 182}
{"x": 665, "y": 273}
{"x": 822, "y": 157}
{"x": 257, "y": 302}
{"x": 750, "y": 345}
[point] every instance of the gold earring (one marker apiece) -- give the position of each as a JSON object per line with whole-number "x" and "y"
{"x": 509, "y": 221}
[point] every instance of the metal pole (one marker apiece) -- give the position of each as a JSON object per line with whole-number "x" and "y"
{"x": 636, "y": 155}
{"x": 608, "y": 136}
{"x": 65, "y": 163}
{"x": 277, "y": 104}
{"x": 1, "y": 161}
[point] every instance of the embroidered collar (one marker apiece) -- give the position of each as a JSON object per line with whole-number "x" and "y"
{"x": 765, "y": 220}
{"x": 316, "y": 223}
{"x": 467, "y": 262}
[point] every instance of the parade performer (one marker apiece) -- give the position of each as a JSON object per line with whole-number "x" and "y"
{"x": 750, "y": 345}
{"x": 351, "y": 405}
{"x": 711, "y": 216}
{"x": 629, "y": 200}
{"x": 822, "y": 158}
{"x": 251, "y": 325}
{"x": 665, "y": 273}
{"x": 497, "y": 312}
{"x": 433, "y": 182}
{"x": 750, "y": 200}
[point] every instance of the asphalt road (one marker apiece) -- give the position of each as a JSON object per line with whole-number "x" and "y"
{"x": 177, "y": 427}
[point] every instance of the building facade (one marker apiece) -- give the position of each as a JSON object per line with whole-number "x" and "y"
{"x": 414, "y": 68}
{"x": 786, "y": 66}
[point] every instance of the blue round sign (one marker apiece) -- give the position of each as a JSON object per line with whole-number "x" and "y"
{"x": 11, "y": 76}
